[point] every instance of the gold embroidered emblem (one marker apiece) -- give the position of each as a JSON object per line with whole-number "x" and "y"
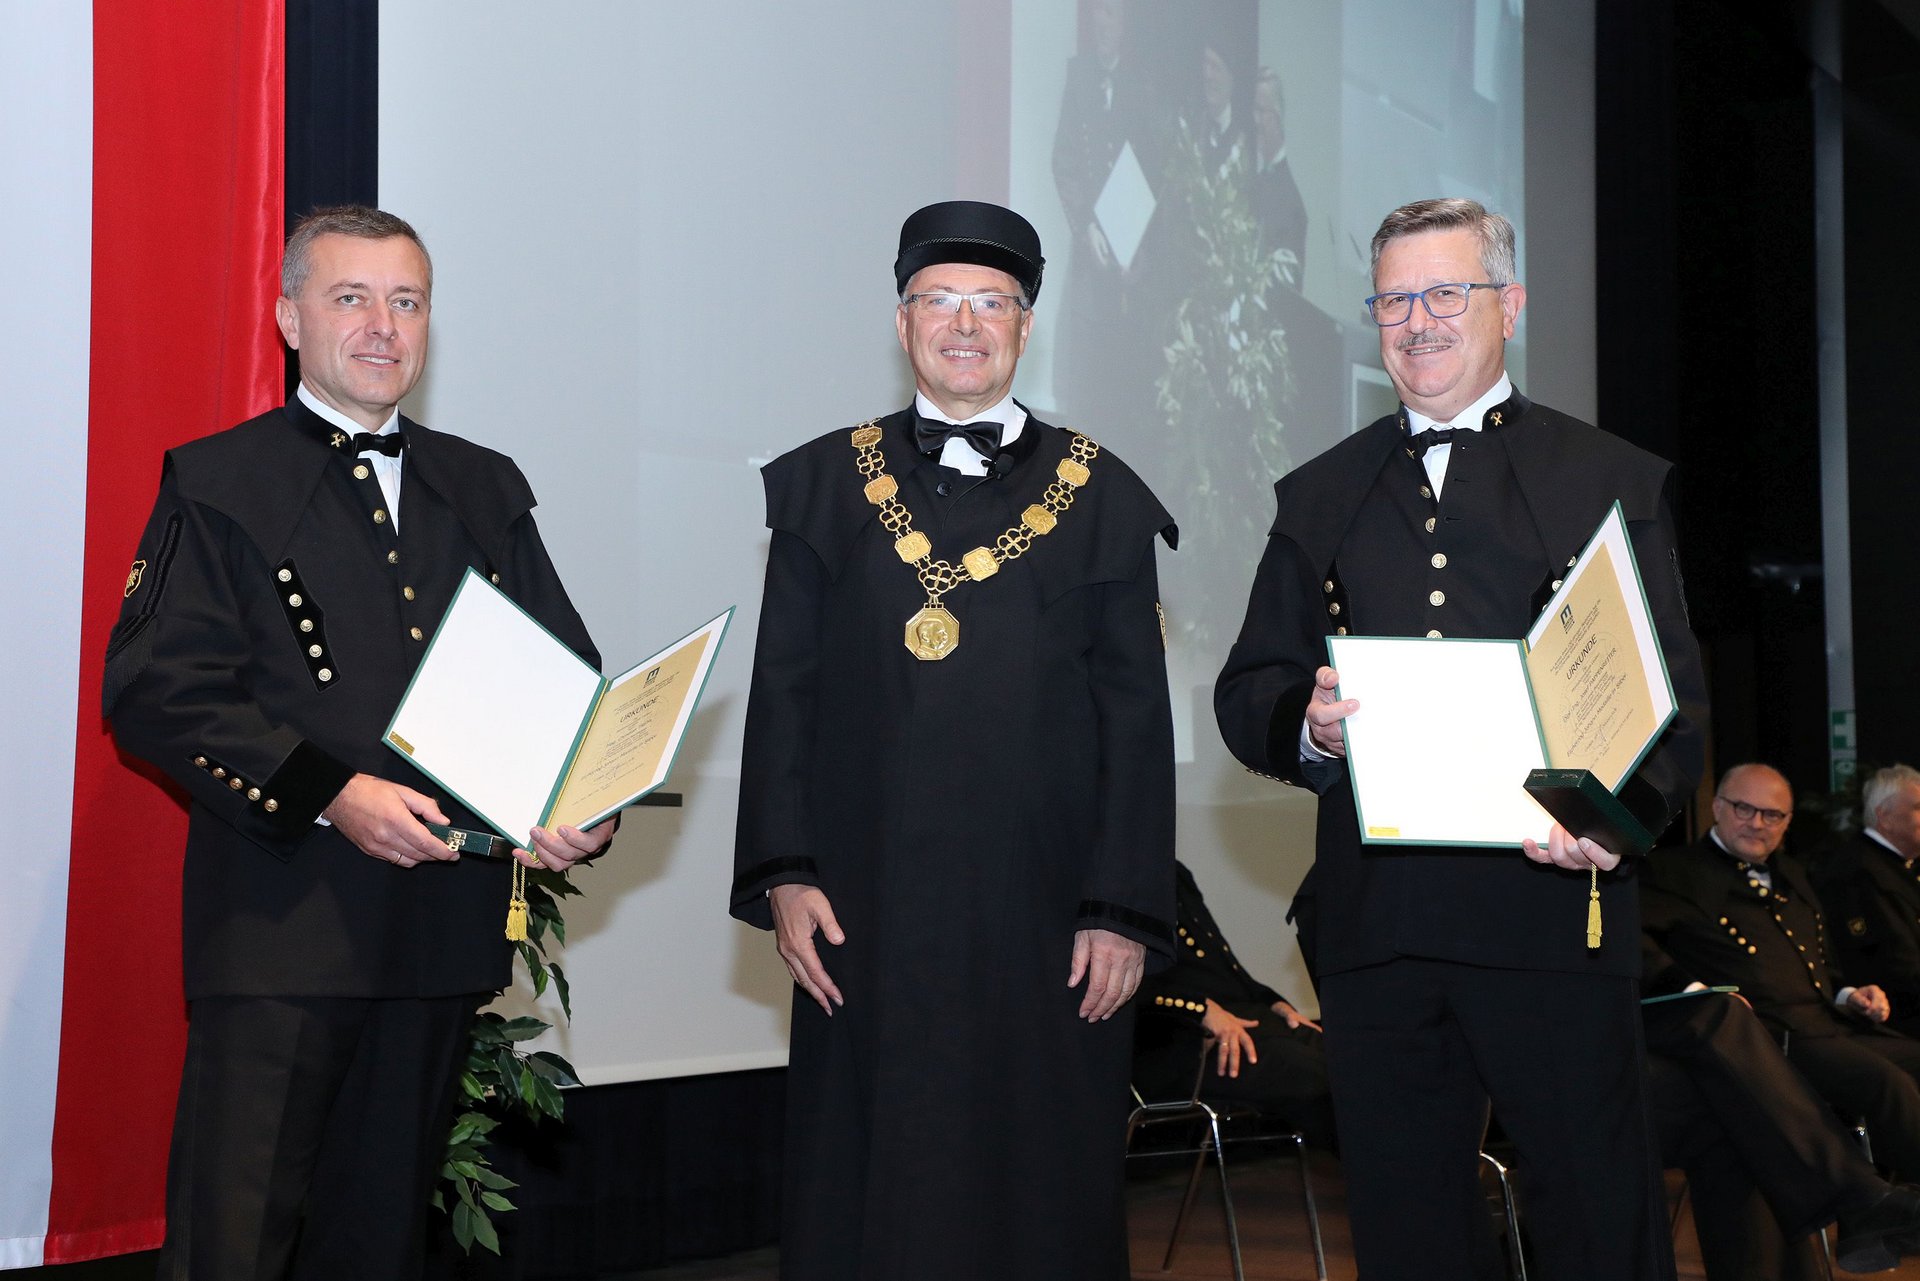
{"x": 339, "y": 439}
{"x": 1495, "y": 417}
{"x": 133, "y": 578}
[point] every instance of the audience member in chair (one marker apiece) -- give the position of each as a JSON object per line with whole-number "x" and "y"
{"x": 1871, "y": 886}
{"x": 1266, "y": 1053}
{"x": 1732, "y": 909}
{"x": 1767, "y": 1164}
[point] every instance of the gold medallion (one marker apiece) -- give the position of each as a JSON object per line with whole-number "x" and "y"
{"x": 980, "y": 564}
{"x": 932, "y": 634}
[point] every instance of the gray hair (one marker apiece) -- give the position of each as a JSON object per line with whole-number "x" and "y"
{"x": 360, "y": 221}
{"x": 1493, "y": 231}
{"x": 1883, "y": 785}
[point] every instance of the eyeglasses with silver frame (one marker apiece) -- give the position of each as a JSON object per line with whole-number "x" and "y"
{"x": 985, "y": 306}
{"x": 1443, "y": 302}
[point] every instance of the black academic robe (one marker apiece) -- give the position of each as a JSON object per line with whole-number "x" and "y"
{"x": 1482, "y": 907}
{"x": 269, "y": 628}
{"x": 1706, "y": 921}
{"x": 1872, "y": 897}
{"x": 965, "y": 817}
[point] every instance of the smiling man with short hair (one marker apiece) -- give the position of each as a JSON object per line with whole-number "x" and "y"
{"x": 956, "y": 800}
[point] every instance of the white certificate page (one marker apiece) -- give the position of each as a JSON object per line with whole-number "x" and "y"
{"x": 493, "y": 712}
{"x": 1440, "y": 749}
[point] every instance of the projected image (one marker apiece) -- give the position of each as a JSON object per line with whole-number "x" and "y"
{"x": 1212, "y": 172}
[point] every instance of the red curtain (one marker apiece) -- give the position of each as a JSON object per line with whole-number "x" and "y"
{"x": 187, "y": 228}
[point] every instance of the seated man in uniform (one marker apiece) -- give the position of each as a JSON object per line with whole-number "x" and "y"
{"x": 1733, "y": 909}
{"x": 1871, "y": 885}
{"x": 1266, "y": 1053}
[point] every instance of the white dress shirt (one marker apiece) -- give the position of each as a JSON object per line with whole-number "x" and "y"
{"x": 956, "y": 452}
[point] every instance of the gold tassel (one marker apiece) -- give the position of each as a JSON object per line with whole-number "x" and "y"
{"x": 517, "y": 905}
{"x": 1593, "y": 911}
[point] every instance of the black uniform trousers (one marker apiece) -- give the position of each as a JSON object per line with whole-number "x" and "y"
{"x": 346, "y": 1099}
{"x": 1417, "y": 1049}
{"x": 1874, "y": 1075}
{"x": 1766, "y": 1162}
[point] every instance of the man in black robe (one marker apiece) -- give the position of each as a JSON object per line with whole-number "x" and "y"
{"x": 1735, "y": 909}
{"x": 1871, "y": 887}
{"x": 958, "y": 772}
{"x": 1454, "y": 977}
{"x": 335, "y": 949}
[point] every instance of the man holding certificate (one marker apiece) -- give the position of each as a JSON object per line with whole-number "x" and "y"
{"x": 956, "y": 800}
{"x": 289, "y": 581}
{"x": 1454, "y": 974}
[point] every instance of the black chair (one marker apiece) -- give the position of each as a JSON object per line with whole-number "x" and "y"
{"x": 1216, "y": 1125}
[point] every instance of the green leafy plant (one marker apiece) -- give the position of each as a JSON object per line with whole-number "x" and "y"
{"x": 501, "y": 1081}
{"x": 1228, "y": 388}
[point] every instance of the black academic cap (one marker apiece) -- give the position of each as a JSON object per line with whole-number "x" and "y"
{"x": 970, "y": 231}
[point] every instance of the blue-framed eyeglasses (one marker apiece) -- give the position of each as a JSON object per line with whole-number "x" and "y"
{"x": 1443, "y": 302}
{"x": 985, "y": 306}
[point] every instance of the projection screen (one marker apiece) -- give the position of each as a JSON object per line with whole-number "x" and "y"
{"x": 662, "y": 238}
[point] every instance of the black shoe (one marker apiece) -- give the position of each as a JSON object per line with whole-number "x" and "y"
{"x": 1875, "y": 1239}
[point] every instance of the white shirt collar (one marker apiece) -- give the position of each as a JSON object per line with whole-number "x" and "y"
{"x": 1873, "y": 834}
{"x": 957, "y": 453}
{"x": 1468, "y": 419}
{"x": 339, "y": 419}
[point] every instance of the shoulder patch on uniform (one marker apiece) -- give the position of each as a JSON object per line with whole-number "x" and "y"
{"x": 133, "y": 578}
{"x": 1857, "y": 926}
{"x": 1161, "y": 610}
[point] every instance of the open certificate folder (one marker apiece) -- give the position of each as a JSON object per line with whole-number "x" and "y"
{"x": 525, "y": 734}
{"x": 1451, "y": 733}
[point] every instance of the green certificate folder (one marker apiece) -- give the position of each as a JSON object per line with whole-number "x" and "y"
{"x": 1489, "y": 742}
{"x": 514, "y": 725}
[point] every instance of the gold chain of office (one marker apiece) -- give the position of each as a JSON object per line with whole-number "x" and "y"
{"x": 933, "y": 632}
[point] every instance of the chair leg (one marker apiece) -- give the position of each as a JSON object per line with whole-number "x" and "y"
{"x": 1826, "y": 1254}
{"x": 1516, "y": 1258}
{"x": 1186, "y": 1204}
{"x": 1226, "y": 1201}
{"x": 1313, "y": 1211}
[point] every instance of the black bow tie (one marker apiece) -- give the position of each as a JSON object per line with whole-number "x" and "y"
{"x": 1425, "y": 440}
{"x": 367, "y": 443}
{"x": 930, "y": 435}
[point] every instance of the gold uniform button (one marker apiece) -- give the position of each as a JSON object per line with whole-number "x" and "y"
{"x": 1425, "y": 492}
{"x": 1439, "y": 560}
{"x": 496, "y": 578}
{"x": 1436, "y": 598}
{"x": 1557, "y": 583}
{"x": 253, "y": 793}
{"x": 1752, "y": 950}
{"x": 1341, "y": 630}
{"x": 271, "y": 805}
{"x": 325, "y": 674}
{"x": 294, "y": 600}
{"x": 416, "y": 633}
{"x": 236, "y": 784}
{"x": 379, "y": 515}
{"x": 1434, "y": 634}
{"x": 286, "y": 576}
{"x": 306, "y": 624}
{"x": 1200, "y": 953}
{"x": 219, "y": 771}
{"x": 393, "y": 558}
{"x": 1430, "y": 524}
{"x": 313, "y": 651}
{"x": 1333, "y": 607}
{"x": 361, "y": 472}
{"x": 407, "y": 592}
{"x": 1327, "y": 587}
{"x": 200, "y": 761}
{"x": 1723, "y": 920}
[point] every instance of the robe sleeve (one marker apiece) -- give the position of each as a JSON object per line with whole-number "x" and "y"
{"x": 174, "y": 695}
{"x": 1660, "y": 788}
{"x": 1128, "y": 882}
{"x": 768, "y": 850}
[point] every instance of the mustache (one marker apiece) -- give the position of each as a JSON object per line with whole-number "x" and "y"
{"x": 1423, "y": 340}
